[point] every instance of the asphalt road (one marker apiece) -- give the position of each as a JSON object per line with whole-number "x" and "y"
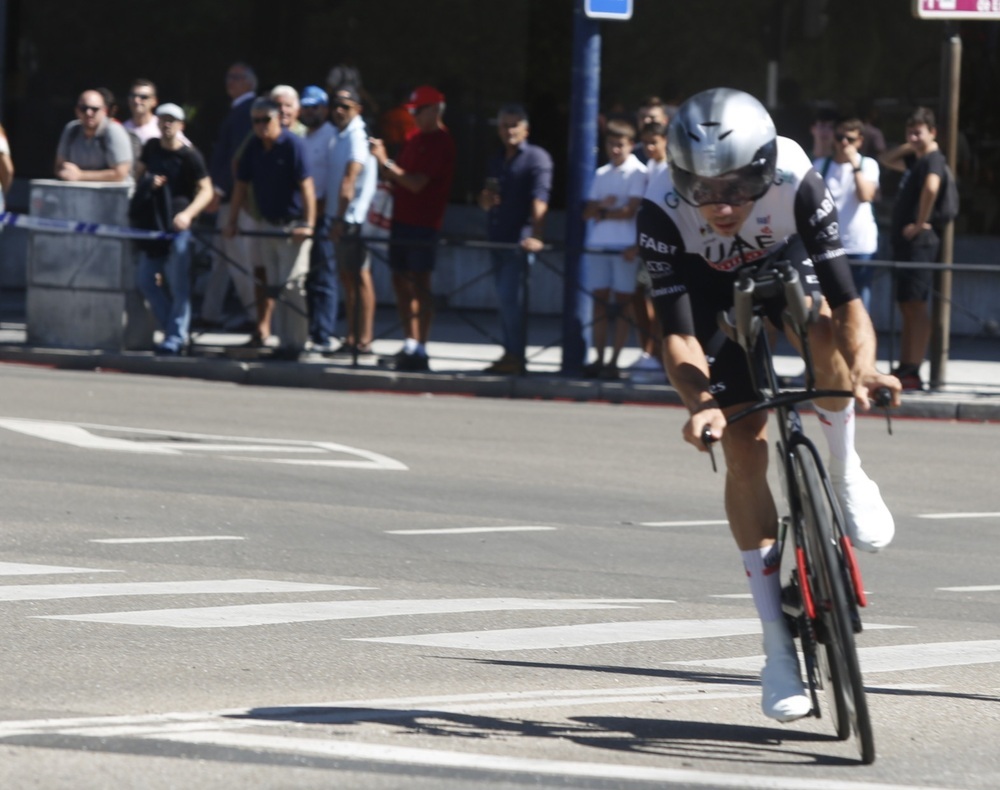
{"x": 209, "y": 585}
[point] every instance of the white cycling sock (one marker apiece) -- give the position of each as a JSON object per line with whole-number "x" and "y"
{"x": 410, "y": 346}
{"x": 838, "y": 428}
{"x": 763, "y": 568}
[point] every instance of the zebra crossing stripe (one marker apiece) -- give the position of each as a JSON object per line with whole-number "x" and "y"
{"x": 977, "y": 588}
{"x": 479, "y": 762}
{"x": 547, "y": 638}
{"x": 177, "y": 539}
{"x": 24, "y": 569}
{"x": 894, "y": 658}
{"x": 51, "y": 592}
{"x": 279, "y": 613}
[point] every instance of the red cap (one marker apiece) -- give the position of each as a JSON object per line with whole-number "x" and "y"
{"x": 424, "y": 95}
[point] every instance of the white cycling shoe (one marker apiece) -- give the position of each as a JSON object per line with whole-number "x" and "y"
{"x": 784, "y": 697}
{"x": 869, "y": 523}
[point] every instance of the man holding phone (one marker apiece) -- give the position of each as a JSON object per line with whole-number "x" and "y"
{"x": 516, "y": 197}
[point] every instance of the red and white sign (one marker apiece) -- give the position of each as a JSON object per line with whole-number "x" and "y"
{"x": 984, "y": 10}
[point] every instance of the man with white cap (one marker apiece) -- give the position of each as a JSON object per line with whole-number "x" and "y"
{"x": 173, "y": 189}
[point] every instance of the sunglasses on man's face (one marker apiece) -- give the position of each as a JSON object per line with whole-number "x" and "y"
{"x": 343, "y": 106}
{"x": 87, "y": 108}
{"x": 263, "y": 119}
{"x": 841, "y": 137}
{"x": 143, "y": 96}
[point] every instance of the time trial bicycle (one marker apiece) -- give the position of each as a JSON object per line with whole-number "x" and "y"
{"x": 823, "y": 591}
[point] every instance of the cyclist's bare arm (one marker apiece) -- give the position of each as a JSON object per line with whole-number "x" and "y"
{"x": 856, "y": 340}
{"x": 687, "y": 368}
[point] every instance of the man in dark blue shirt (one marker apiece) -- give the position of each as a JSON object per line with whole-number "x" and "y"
{"x": 274, "y": 164}
{"x": 231, "y": 260}
{"x": 516, "y": 195}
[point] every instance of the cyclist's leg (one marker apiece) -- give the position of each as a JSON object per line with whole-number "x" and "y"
{"x": 869, "y": 523}
{"x": 753, "y": 520}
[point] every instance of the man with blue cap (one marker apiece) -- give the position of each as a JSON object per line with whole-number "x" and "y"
{"x": 321, "y": 283}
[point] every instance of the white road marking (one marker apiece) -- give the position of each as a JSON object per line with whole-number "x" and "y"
{"x": 275, "y": 613}
{"x": 390, "y": 708}
{"x": 354, "y": 709}
{"x": 586, "y": 634}
{"x": 733, "y": 595}
{"x": 442, "y": 758}
{"x": 895, "y": 658}
{"x": 466, "y": 530}
{"x": 24, "y": 569}
{"x": 979, "y": 588}
{"x": 83, "y": 435}
{"x": 958, "y": 515}
{"x": 179, "y": 539}
{"x": 51, "y": 592}
{"x": 709, "y": 523}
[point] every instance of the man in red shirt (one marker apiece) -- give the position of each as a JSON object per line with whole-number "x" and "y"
{"x": 421, "y": 179}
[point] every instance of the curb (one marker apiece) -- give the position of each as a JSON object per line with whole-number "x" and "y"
{"x": 938, "y": 406}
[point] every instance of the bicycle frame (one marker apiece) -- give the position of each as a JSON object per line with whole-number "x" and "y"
{"x": 825, "y": 590}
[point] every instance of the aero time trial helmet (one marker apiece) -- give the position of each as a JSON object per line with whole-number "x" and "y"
{"x": 722, "y": 148}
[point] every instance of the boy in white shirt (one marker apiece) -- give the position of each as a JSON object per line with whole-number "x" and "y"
{"x": 649, "y": 365}
{"x": 612, "y": 204}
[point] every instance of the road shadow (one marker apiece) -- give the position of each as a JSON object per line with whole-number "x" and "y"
{"x": 663, "y": 736}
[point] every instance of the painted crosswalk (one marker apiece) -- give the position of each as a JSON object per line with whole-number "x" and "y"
{"x": 893, "y": 658}
{"x": 243, "y": 615}
{"x": 49, "y": 592}
{"x": 603, "y": 627}
{"x": 33, "y": 569}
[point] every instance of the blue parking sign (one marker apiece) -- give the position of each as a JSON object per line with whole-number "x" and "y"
{"x": 608, "y": 9}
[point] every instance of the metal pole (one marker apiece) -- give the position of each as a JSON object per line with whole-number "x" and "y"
{"x": 941, "y": 318}
{"x": 586, "y": 81}
{"x": 526, "y": 265}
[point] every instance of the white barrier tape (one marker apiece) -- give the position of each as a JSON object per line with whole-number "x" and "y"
{"x": 45, "y": 225}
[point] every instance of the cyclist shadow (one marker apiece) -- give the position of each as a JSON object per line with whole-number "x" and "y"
{"x": 675, "y": 738}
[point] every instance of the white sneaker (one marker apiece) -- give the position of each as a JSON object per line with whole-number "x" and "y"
{"x": 784, "y": 697}
{"x": 869, "y": 523}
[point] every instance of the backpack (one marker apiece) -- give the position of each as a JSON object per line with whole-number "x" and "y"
{"x": 947, "y": 204}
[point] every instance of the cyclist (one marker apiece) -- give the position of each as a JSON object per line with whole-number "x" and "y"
{"x": 735, "y": 192}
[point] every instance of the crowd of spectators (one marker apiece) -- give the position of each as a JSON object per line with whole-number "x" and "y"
{"x": 290, "y": 180}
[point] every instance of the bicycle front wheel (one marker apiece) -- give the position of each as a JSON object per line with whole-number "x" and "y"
{"x": 834, "y": 623}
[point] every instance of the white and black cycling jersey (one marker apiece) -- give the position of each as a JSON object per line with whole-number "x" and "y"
{"x": 685, "y": 257}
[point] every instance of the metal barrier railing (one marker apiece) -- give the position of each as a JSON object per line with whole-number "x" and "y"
{"x": 378, "y": 247}
{"x": 551, "y": 256}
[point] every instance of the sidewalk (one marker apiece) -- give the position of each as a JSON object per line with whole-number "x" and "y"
{"x": 460, "y": 352}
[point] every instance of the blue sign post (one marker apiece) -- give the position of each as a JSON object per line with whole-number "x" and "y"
{"x": 586, "y": 89}
{"x": 608, "y": 9}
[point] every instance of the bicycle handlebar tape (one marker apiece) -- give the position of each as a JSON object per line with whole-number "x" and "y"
{"x": 795, "y": 298}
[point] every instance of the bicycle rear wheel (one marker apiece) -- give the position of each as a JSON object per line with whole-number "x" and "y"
{"x": 833, "y": 603}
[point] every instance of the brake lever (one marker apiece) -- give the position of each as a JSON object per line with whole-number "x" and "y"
{"x": 883, "y": 399}
{"x": 708, "y": 440}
